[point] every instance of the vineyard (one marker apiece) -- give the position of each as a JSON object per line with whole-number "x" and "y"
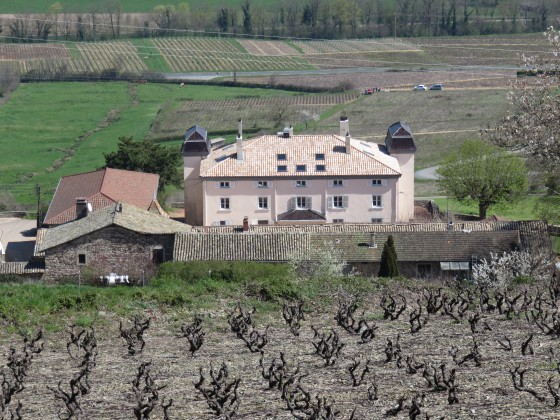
{"x": 356, "y": 351}
{"x": 204, "y": 54}
{"x": 222, "y": 115}
{"x": 211, "y": 54}
{"x": 479, "y": 50}
{"x": 89, "y": 57}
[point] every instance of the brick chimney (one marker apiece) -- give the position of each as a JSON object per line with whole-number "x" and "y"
{"x": 245, "y": 224}
{"x": 240, "y": 152}
{"x": 344, "y": 126}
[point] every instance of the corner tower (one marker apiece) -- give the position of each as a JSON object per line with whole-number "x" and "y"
{"x": 194, "y": 149}
{"x": 400, "y": 145}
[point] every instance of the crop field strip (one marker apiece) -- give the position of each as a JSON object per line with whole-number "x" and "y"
{"x": 120, "y": 55}
{"x": 227, "y": 54}
{"x": 210, "y": 54}
{"x": 222, "y": 115}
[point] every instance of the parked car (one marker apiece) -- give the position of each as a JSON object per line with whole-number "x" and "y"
{"x": 419, "y": 87}
{"x": 437, "y": 86}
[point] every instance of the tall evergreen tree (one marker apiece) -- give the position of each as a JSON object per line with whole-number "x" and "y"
{"x": 388, "y": 266}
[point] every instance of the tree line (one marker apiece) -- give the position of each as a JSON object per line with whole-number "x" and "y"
{"x": 317, "y": 19}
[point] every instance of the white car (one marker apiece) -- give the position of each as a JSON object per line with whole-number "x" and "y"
{"x": 420, "y": 87}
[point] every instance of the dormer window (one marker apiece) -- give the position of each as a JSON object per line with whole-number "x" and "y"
{"x": 319, "y": 156}
{"x": 301, "y": 168}
{"x": 281, "y": 156}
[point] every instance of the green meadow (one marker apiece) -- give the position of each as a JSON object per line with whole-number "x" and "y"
{"x": 49, "y": 130}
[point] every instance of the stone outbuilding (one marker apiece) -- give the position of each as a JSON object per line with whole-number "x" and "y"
{"x": 121, "y": 239}
{"x": 428, "y": 250}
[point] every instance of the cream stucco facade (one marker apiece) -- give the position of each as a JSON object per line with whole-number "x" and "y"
{"x": 290, "y": 179}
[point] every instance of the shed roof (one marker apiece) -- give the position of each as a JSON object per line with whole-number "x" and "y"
{"x": 346, "y": 246}
{"x": 120, "y": 214}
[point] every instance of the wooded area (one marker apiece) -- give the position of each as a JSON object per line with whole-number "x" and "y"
{"x": 317, "y": 19}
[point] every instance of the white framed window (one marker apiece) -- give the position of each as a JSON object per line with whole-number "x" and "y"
{"x": 338, "y": 220}
{"x": 377, "y": 182}
{"x": 222, "y": 223}
{"x": 225, "y": 184}
{"x": 301, "y": 202}
{"x": 262, "y": 203}
{"x": 263, "y": 184}
{"x": 376, "y": 220}
{"x": 338, "y": 201}
{"x": 224, "y": 203}
{"x": 300, "y": 183}
{"x": 262, "y": 222}
{"x": 338, "y": 183}
{"x": 376, "y": 201}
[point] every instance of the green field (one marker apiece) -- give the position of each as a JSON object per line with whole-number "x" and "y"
{"x": 49, "y": 130}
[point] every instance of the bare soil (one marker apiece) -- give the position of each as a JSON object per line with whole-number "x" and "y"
{"x": 483, "y": 392}
{"x": 398, "y": 79}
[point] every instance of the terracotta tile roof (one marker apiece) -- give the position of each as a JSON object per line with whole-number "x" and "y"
{"x": 365, "y": 159}
{"x": 22, "y": 268}
{"x": 434, "y": 246}
{"x": 101, "y": 189}
{"x": 120, "y": 214}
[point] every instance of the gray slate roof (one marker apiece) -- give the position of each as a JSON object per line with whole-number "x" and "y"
{"x": 121, "y": 214}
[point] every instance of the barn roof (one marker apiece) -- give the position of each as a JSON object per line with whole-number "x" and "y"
{"x": 101, "y": 189}
{"x": 435, "y": 242}
{"x": 121, "y": 214}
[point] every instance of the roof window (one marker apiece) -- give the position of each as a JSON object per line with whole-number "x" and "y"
{"x": 301, "y": 168}
{"x": 282, "y": 168}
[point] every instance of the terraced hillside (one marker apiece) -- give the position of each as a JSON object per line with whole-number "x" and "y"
{"x": 205, "y": 54}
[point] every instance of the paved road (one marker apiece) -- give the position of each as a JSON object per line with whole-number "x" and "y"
{"x": 427, "y": 173}
{"x": 18, "y": 238}
{"x": 347, "y": 70}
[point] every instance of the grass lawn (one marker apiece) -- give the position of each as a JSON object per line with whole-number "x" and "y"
{"x": 522, "y": 210}
{"x": 49, "y": 130}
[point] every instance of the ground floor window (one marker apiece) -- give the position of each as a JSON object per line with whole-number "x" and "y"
{"x": 262, "y": 222}
{"x": 338, "y": 221}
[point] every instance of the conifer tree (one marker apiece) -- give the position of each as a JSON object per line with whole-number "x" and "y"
{"x": 388, "y": 266}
